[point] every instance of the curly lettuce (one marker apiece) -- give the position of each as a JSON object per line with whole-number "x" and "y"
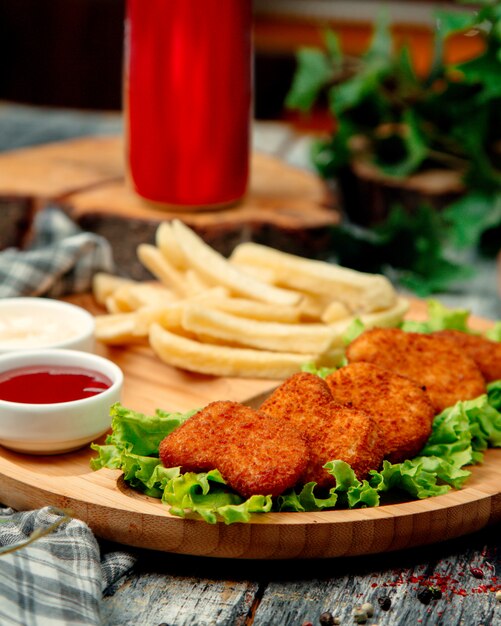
{"x": 460, "y": 435}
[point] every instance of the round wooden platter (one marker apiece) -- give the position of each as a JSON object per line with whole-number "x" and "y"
{"x": 116, "y": 512}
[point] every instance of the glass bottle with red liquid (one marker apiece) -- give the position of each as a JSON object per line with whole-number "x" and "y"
{"x": 187, "y": 100}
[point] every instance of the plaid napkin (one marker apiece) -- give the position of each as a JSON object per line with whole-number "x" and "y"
{"x": 60, "y": 260}
{"x": 57, "y": 580}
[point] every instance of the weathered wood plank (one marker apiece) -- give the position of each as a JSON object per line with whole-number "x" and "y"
{"x": 181, "y": 592}
{"x": 302, "y": 591}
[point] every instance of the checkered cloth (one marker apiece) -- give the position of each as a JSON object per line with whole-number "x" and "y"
{"x": 60, "y": 260}
{"x": 57, "y": 580}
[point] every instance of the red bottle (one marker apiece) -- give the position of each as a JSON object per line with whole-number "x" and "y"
{"x": 188, "y": 100}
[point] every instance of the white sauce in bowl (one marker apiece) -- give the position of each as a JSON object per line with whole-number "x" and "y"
{"x": 32, "y": 323}
{"x": 21, "y": 329}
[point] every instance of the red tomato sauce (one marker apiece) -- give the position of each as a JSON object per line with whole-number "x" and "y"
{"x": 51, "y": 384}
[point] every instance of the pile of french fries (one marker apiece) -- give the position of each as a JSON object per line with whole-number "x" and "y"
{"x": 261, "y": 313}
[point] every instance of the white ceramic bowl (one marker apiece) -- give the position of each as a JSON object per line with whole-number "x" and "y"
{"x": 61, "y": 426}
{"x": 36, "y": 323}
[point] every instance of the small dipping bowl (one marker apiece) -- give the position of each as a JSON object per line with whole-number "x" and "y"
{"x": 57, "y": 427}
{"x": 39, "y": 323}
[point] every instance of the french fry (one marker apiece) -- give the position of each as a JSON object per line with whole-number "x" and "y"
{"x": 114, "y": 306}
{"x": 123, "y": 328}
{"x": 195, "y": 283}
{"x": 215, "y": 268}
{"x": 171, "y": 316}
{"x": 264, "y": 274}
{"x": 334, "y": 312}
{"x": 252, "y": 309}
{"x": 150, "y": 294}
{"x": 223, "y": 360}
{"x": 384, "y": 319}
{"x": 360, "y": 292}
{"x": 116, "y": 329}
{"x": 121, "y": 298}
{"x": 312, "y": 306}
{"x": 159, "y": 266}
{"x": 263, "y": 313}
{"x": 299, "y": 338}
{"x": 167, "y": 243}
{"x": 103, "y": 285}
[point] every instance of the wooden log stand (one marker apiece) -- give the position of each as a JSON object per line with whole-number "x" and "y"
{"x": 286, "y": 207}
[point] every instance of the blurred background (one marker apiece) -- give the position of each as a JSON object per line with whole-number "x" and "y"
{"x": 68, "y": 53}
{"x": 431, "y": 140}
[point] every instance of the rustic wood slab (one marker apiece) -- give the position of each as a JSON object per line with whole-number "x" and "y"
{"x": 29, "y": 177}
{"x": 118, "y": 513}
{"x": 286, "y": 207}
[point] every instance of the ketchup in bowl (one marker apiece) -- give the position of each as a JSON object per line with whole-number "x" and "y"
{"x": 51, "y": 384}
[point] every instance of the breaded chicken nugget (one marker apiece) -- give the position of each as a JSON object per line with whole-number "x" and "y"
{"x": 446, "y": 372}
{"x": 255, "y": 453}
{"x": 485, "y": 352}
{"x": 331, "y": 430}
{"x": 402, "y": 410}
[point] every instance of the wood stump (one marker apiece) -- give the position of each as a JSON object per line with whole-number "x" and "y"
{"x": 367, "y": 195}
{"x": 286, "y": 207}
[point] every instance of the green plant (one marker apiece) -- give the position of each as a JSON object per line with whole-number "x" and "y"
{"x": 403, "y": 124}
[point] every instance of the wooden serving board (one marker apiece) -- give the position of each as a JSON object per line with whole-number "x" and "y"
{"x": 116, "y": 512}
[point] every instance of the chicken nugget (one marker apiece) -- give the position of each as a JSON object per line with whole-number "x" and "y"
{"x": 485, "y": 352}
{"x": 443, "y": 369}
{"x": 402, "y": 410}
{"x": 256, "y": 454}
{"x": 332, "y": 431}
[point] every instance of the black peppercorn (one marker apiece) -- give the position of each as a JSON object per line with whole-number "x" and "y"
{"x": 385, "y": 603}
{"x": 326, "y": 619}
{"x": 425, "y": 595}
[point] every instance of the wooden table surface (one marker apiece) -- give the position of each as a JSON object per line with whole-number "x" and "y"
{"x": 180, "y": 590}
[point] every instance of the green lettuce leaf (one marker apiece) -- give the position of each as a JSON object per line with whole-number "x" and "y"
{"x": 439, "y": 318}
{"x": 208, "y": 495}
{"x": 494, "y": 394}
{"x": 348, "y": 492}
{"x": 494, "y": 333}
{"x": 460, "y": 435}
{"x": 323, "y": 372}
{"x": 140, "y": 433}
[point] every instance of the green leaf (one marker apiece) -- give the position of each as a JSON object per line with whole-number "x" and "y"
{"x": 333, "y": 46}
{"x": 314, "y": 73}
{"x": 440, "y": 317}
{"x": 355, "y": 329}
{"x": 450, "y": 22}
{"x": 483, "y": 70}
{"x": 410, "y": 244}
{"x": 381, "y": 45}
{"x": 494, "y": 393}
{"x": 414, "y": 149}
{"x": 351, "y": 491}
{"x": 142, "y": 433}
{"x": 323, "y": 372}
{"x": 494, "y": 333}
{"x": 305, "y": 499}
{"x": 207, "y": 495}
{"x": 330, "y": 156}
{"x": 473, "y": 214}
